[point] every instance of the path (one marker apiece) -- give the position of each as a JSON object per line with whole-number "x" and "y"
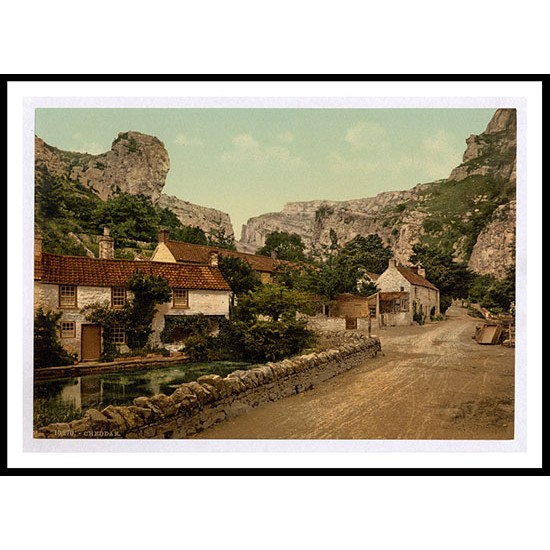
{"x": 431, "y": 382}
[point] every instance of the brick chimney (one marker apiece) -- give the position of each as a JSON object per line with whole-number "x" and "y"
{"x": 106, "y": 246}
{"x": 421, "y": 271}
{"x": 164, "y": 235}
{"x": 214, "y": 258}
{"x": 392, "y": 263}
{"x": 37, "y": 256}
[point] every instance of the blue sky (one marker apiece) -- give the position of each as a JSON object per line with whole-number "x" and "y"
{"x": 251, "y": 161}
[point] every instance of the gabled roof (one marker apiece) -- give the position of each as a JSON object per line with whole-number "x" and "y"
{"x": 200, "y": 254}
{"x": 81, "y": 270}
{"x": 415, "y": 278}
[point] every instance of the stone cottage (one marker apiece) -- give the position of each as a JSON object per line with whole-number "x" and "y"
{"x": 66, "y": 284}
{"x": 186, "y": 253}
{"x": 402, "y": 292}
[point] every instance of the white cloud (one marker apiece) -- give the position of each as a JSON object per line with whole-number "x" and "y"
{"x": 248, "y": 150}
{"x": 182, "y": 139}
{"x": 367, "y": 135}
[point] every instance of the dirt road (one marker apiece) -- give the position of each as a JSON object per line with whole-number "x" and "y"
{"x": 430, "y": 382}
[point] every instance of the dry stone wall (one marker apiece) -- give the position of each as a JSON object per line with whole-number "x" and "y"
{"x": 195, "y": 406}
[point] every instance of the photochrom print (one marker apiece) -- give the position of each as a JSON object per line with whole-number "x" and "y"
{"x": 277, "y": 272}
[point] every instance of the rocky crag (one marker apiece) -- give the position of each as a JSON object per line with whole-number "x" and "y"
{"x": 136, "y": 164}
{"x": 471, "y": 213}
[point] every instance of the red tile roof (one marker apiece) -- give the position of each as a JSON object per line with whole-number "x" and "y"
{"x": 415, "y": 278}
{"x": 80, "y": 270}
{"x": 200, "y": 254}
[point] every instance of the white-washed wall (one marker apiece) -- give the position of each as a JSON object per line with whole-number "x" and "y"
{"x": 428, "y": 298}
{"x": 47, "y": 297}
{"x": 392, "y": 281}
{"x": 162, "y": 254}
{"x": 208, "y": 302}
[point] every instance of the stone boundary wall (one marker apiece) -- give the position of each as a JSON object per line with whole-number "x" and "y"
{"x": 322, "y": 323}
{"x": 195, "y": 406}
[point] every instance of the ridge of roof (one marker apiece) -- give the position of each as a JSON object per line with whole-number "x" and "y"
{"x": 198, "y": 253}
{"x": 415, "y": 278}
{"x": 82, "y": 270}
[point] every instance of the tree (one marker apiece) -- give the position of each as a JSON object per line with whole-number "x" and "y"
{"x": 179, "y": 232}
{"x": 129, "y": 217}
{"x": 277, "y": 302}
{"x": 48, "y": 351}
{"x": 365, "y": 253}
{"x": 217, "y": 237}
{"x": 287, "y": 246}
{"x": 239, "y": 275}
{"x": 453, "y": 279}
{"x": 148, "y": 291}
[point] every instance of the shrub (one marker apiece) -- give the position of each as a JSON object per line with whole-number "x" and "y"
{"x": 200, "y": 348}
{"x": 48, "y": 351}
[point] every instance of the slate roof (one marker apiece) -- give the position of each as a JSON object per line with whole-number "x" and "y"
{"x": 81, "y": 270}
{"x": 415, "y": 278}
{"x": 200, "y": 254}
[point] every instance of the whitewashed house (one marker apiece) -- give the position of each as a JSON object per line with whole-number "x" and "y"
{"x": 402, "y": 292}
{"x": 66, "y": 284}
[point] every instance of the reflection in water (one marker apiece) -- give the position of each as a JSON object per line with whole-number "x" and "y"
{"x": 100, "y": 390}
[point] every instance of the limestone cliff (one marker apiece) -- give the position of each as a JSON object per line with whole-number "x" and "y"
{"x": 471, "y": 214}
{"x": 208, "y": 219}
{"x": 136, "y": 164}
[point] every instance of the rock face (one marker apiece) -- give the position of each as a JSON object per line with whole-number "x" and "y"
{"x": 207, "y": 219}
{"x": 495, "y": 244}
{"x": 492, "y": 153}
{"x": 137, "y": 163}
{"x": 473, "y": 211}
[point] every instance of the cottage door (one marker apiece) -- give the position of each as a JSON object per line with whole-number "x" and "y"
{"x": 91, "y": 342}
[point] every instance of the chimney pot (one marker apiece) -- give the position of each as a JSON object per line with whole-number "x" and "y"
{"x": 214, "y": 258}
{"x": 106, "y": 245}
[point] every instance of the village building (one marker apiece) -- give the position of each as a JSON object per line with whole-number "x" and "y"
{"x": 66, "y": 284}
{"x": 186, "y": 253}
{"x": 404, "y": 291}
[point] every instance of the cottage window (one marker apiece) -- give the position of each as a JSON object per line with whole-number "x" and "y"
{"x": 67, "y": 296}
{"x": 118, "y": 334}
{"x": 118, "y": 296}
{"x": 181, "y": 297}
{"x": 68, "y": 329}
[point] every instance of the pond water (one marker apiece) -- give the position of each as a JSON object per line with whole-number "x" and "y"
{"x": 65, "y": 399}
